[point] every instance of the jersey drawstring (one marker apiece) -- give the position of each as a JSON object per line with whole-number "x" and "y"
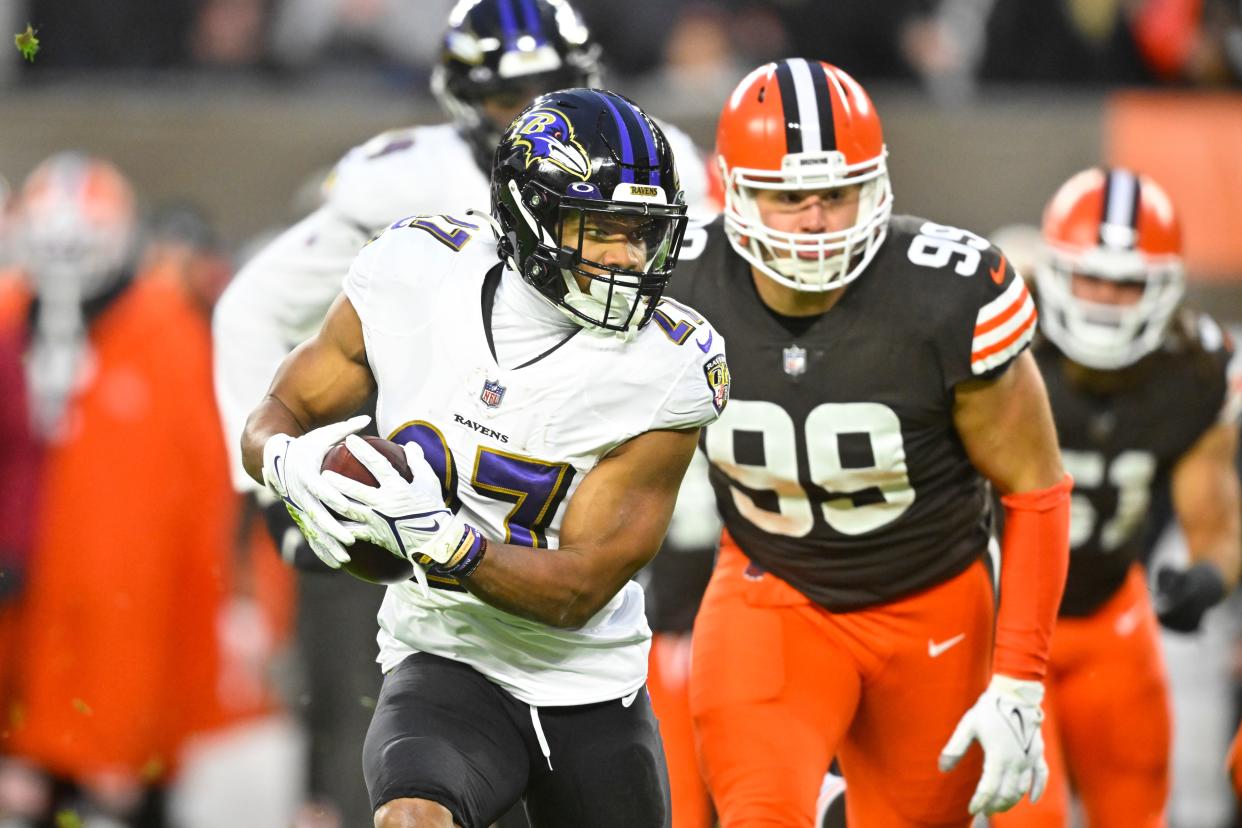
{"x": 543, "y": 740}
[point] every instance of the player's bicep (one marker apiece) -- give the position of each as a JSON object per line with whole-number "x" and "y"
{"x": 621, "y": 510}
{"x": 327, "y": 378}
{"x": 1006, "y": 427}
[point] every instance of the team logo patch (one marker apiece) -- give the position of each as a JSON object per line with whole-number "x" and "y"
{"x": 795, "y": 361}
{"x": 718, "y": 380}
{"x": 493, "y": 392}
{"x": 547, "y": 135}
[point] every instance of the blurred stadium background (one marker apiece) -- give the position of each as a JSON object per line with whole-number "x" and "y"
{"x": 240, "y": 108}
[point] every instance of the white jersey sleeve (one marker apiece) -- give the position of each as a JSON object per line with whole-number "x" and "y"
{"x": 277, "y": 300}
{"x": 400, "y": 269}
{"x": 701, "y": 392}
{"x": 405, "y": 171}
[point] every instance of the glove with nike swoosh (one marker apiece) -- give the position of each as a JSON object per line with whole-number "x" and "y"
{"x": 408, "y": 519}
{"x": 1006, "y": 722}
{"x": 291, "y": 470}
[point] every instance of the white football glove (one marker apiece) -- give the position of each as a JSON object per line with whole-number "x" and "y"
{"x": 408, "y": 519}
{"x": 291, "y": 470}
{"x": 1005, "y": 720}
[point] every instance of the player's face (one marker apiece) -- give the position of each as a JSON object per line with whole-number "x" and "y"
{"x": 1107, "y": 291}
{"x": 809, "y": 211}
{"x": 618, "y": 241}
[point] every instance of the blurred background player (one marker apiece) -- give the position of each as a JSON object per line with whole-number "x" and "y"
{"x": 496, "y": 56}
{"x": 881, "y": 383}
{"x": 118, "y": 659}
{"x": 1141, "y": 397}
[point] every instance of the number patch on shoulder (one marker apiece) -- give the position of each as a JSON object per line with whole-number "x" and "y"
{"x": 937, "y": 245}
{"x": 447, "y": 230}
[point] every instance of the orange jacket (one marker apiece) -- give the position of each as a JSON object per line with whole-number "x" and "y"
{"x": 118, "y": 657}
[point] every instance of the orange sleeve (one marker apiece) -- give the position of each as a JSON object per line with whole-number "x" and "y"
{"x": 1034, "y": 562}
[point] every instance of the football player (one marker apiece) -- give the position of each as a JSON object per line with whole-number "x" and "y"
{"x": 1142, "y": 402}
{"x": 549, "y": 405}
{"x": 497, "y": 55}
{"x": 882, "y": 384}
{"x": 118, "y": 663}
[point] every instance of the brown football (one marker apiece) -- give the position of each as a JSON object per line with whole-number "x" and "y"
{"x": 370, "y": 561}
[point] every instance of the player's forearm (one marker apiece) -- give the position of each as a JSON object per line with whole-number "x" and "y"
{"x": 269, "y": 418}
{"x": 1035, "y": 557}
{"x": 558, "y": 587}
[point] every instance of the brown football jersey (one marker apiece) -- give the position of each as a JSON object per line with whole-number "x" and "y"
{"x": 837, "y": 465}
{"x": 1121, "y": 438}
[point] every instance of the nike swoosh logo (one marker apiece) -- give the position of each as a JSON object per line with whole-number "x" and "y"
{"x": 706, "y": 346}
{"x": 936, "y": 650}
{"x": 998, "y": 272}
{"x": 1025, "y": 735}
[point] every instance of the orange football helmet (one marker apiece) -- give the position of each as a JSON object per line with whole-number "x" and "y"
{"x": 1118, "y": 225}
{"x": 75, "y": 226}
{"x": 803, "y": 125}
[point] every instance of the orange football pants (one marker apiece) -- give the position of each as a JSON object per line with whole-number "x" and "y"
{"x": 668, "y": 682}
{"x": 1106, "y": 719}
{"x": 779, "y": 685}
{"x": 1233, "y": 764}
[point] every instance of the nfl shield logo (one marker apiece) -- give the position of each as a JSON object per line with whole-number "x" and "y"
{"x": 795, "y": 361}
{"x": 493, "y": 393}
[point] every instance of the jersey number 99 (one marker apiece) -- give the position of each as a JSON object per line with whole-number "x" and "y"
{"x": 853, "y": 491}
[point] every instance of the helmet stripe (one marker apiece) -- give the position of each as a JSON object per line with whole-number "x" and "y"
{"x": 808, "y": 106}
{"x": 627, "y": 149}
{"x": 1119, "y": 221}
{"x": 789, "y": 103}
{"x": 653, "y": 175}
{"x": 533, "y": 25}
{"x": 635, "y": 134}
{"x": 508, "y": 23}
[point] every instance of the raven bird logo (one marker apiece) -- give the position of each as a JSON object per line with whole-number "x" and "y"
{"x": 547, "y": 135}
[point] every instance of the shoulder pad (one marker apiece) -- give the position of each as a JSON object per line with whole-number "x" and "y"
{"x": 366, "y": 171}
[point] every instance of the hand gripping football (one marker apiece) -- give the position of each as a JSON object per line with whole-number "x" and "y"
{"x": 370, "y": 561}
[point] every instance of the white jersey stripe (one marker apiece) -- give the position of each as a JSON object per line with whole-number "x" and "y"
{"x": 808, "y": 111}
{"x": 1001, "y": 303}
{"x": 1120, "y": 207}
{"x": 1000, "y": 333}
{"x": 1000, "y": 357}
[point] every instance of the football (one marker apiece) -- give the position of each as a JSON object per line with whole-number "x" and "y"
{"x": 370, "y": 561}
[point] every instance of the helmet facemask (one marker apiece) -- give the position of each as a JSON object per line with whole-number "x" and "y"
{"x": 813, "y": 262}
{"x": 1103, "y": 335}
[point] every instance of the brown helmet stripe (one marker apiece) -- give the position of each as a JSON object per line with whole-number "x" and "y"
{"x": 789, "y": 103}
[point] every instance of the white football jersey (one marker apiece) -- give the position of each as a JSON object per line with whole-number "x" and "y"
{"x": 512, "y": 446}
{"x": 280, "y": 297}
